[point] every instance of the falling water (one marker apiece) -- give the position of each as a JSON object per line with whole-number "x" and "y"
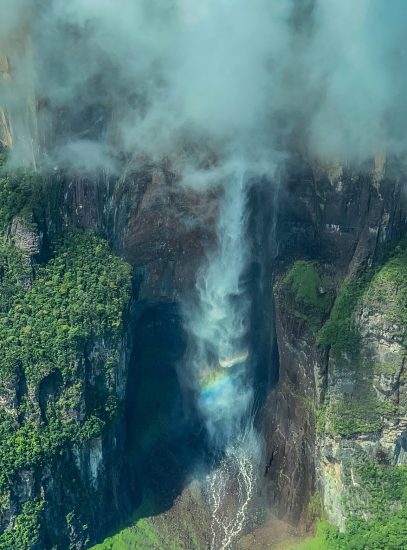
{"x": 230, "y": 488}
{"x": 220, "y": 359}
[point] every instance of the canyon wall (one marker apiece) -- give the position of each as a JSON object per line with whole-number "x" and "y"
{"x": 328, "y": 280}
{"x": 76, "y": 487}
{"x": 336, "y": 417}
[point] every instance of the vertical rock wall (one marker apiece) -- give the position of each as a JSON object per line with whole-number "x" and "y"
{"x": 333, "y": 408}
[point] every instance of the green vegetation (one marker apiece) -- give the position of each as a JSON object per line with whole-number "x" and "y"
{"x": 75, "y": 301}
{"x": 35, "y": 444}
{"x": 21, "y": 194}
{"x": 339, "y": 332}
{"x": 78, "y": 295}
{"x": 385, "y": 485}
{"x": 14, "y": 271}
{"x": 3, "y": 155}
{"x": 52, "y": 317}
{"x": 321, "y": 539}
{"x": 142, "y": 536}
{"x": 377, "y": 501}
{"x": 304, "y": 281}
{"x": 361, "y": 414}
{"x": 315, "y": 507}
{"x": 384, "y": 493}
{"x": 28, "y": 195}
{"x": 387, "y": 292}
{"x": 308, "y": 292}
{"x": 160, "y": 532}
{"x": 76, "y": 298}
{"x": 382, "y": 290}
{"x": 26, "y": 532}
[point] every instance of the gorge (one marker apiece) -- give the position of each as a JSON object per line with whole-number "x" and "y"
{"x": 203, "y": 275}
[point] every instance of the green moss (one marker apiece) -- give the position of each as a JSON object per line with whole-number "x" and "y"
{"x": 380, "y": 291}
{"x": 339, "y": 332}
{"x": 320, "y": 414}
{"x": 363, "y": 414}
{"x": 388, "y": 368}
{"x": 387, "y": 292}
{"x": 315, "y": 508}
{"x": 304, "y": 281}
{"x": 307, "y": 291}
{"x": 142, "y": 536}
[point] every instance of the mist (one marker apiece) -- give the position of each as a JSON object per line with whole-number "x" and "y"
{"x": 217, "y": 323}
{"x": 154, "y": 77}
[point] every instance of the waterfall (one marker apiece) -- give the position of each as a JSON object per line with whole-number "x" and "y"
{"x": 219, "y": 361}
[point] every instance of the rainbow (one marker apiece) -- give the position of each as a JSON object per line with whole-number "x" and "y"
{"x": 237, "y": 359}
{"x": 214, "y": 384}
{"x": 213, "y": 377}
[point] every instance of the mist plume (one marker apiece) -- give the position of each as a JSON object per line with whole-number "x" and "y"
{"x": 153, "y": 75}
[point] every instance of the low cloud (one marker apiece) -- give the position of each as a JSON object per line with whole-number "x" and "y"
{"x": 154, "y": 76}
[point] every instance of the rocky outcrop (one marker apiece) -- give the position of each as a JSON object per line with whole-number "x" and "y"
{"x": 334, "y": 408}
{"x": 63, "y": 378}
{"x": 155, "y": 224}
{"x": 365, "y": 418}
{"x": 26, "y": 237}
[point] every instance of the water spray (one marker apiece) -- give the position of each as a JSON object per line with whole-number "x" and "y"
{"x": 219, "y": 359}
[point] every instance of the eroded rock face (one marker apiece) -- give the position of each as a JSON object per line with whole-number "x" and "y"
{"x": 5, "y": 130}
{"x": 96, "y": 465}
{"x": 161, "y": 228}
{"x": 26, "y": 236}
{"x": 375, "y": 379}
{"x": 289, "y": 419}
{"x": 340, "y": 221}
{"x": 157, "y": 225}
{"x": 335, "y": 217}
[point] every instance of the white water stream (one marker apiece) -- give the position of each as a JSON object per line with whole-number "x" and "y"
{"x": 220, "y": 361}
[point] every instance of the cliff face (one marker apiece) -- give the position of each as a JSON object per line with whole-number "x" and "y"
{"x": 339, "y": 403}
{"x": 339, "y": 397}
{"x": 87, "y": 473}
{"x": 82, "y": 471}
{"x": 326, "y": 240}
{"x": 63, "y": 376}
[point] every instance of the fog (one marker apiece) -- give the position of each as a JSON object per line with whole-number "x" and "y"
{"x": 153, "y": 76}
